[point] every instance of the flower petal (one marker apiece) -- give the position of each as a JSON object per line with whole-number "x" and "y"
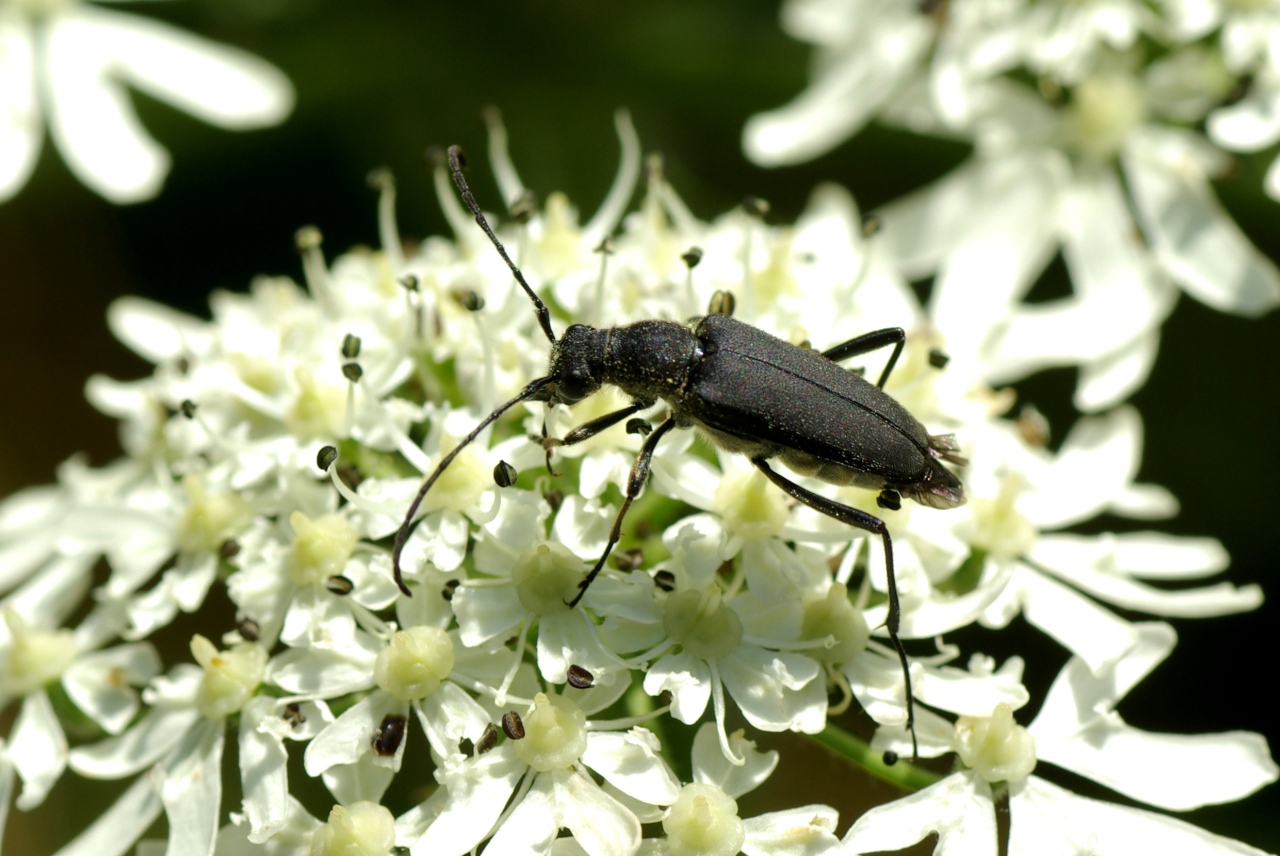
{"x": 191, "y": 789}
{"x": 21, "y": 128}
{"x": 1195, "y": 239}
{"x": 959, "y": 809}
{"x": 1052, "y": 821}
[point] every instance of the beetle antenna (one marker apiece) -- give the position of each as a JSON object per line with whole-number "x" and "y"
{"x": 407, "y": 526}
{"x": 458, "y": 160}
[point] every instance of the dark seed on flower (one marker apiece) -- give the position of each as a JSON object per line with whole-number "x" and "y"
{"x": 722, "y": 303}
{"x": 409, "y": 282}
{"x": 338, "y": 584}
{"x": 350, "y": 346}
{"x": 248, "y": 630}
{"x": 352, "y": 371}
{"x": 579, "y": 678}
{"x": 605, "y": 247}
{"x": 388, "y": 737}
{"x": 466, "y": 747}
{"x": 524, "y": 207}
{"x": 636, "y": 425}
{"x": 692, "y": 256}
{"x": 228, "y": 549}
{"x": 629, "y": 560}
{"x": 1033, "y": 427}
{"x": 504, "y": 474}
{"x": 755, "y": 206}
{"x": 554, "y": 498}
{"x": 512, "y": 726}
{"x": 325, "y": 457}
{"x": 488, "y": 740}
{"x": 890, "y": 757}
{"x": 188, "y": 408}
{"x": 468, "y": 299}
{"x": 449, "y": 588}
{"x": 665, "y": 580}
{"x": 871, "y": 223}
{"x": 938, "y": 359}
{"x": 293, "y": 714}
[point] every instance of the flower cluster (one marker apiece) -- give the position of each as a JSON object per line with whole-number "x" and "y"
{"x": 274, "y": 451}
{"x": 1096, "y": 127}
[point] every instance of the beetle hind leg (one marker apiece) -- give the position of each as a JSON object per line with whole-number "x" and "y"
{"x": 867, "y": 523}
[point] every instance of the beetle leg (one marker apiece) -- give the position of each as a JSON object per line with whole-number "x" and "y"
{"x": 587, "y": 430}
{"x": 874, "y": 525}
{"x": 635, "y": 484}
{"x": 868, "y": 342}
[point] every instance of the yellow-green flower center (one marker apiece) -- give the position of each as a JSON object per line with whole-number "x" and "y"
{"x": 555, "y": 734}
{"x": 414, "y": 662}
{"x": 701, "y": 622}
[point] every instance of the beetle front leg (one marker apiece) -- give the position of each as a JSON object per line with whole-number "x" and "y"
{"x": 587, "y": 430}
{"x": 635, "y": 484}
{"x": 867, "y": 523}
{"x": 868, "y": 342}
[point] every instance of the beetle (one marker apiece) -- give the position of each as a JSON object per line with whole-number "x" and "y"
{"x": 749, "y": 393}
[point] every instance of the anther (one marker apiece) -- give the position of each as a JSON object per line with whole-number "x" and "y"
{"x": 325, "y": 457}
{"x": 636, "y": 425}
{"x": 512, "y": 725}
{"x": 339, "y": 585}
{"x": 629, "y": 560}
{"x": 755, "y": 206}
{"x": 388, "y": 737}
{"x": 504, "y": 475}
{"x": 579, "y": 678}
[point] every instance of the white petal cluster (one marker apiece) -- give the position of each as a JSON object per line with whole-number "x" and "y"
{"x": 1096, "y": 127}
{"x": 277, "y": 446}
{"x": 70, "y": 65}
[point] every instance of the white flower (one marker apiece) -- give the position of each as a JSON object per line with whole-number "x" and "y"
{"x": 867, "y": 51}
{"x": 1078, "y": 730}
{"x": 179, "y": 742}
{"x": 71, "y": 62}
{"x": 543, "y": 771}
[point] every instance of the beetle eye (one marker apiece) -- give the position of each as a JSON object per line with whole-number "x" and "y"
{"x": 574, "y": 387}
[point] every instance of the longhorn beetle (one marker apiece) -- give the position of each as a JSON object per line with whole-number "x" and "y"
{"x": 749, "y": 393}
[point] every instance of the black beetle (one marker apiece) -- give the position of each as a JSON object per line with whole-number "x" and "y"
{"x": 749, "y": 393}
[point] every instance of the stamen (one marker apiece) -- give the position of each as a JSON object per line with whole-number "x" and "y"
{"x": 382, "y": 180}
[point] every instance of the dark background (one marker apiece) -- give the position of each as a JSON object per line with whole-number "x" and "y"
{"x": 380, "y": 81}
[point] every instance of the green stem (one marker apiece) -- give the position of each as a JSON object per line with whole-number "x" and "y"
{"x": 858, "y": 751}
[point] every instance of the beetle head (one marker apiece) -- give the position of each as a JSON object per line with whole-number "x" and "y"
{"x": 576, "y": 362}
